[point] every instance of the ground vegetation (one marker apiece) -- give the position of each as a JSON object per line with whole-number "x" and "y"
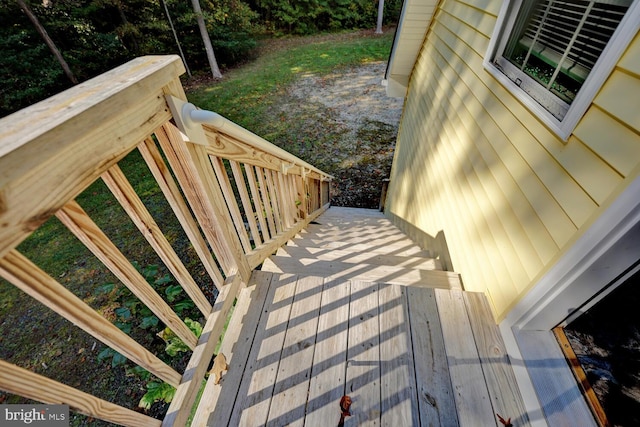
{"x": 319, "y": 97}
{"x": 45, "y": 42}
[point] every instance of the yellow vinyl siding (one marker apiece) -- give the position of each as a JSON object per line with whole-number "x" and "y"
{"x": 471, "y": 160}
{"x": 598, "y": 129}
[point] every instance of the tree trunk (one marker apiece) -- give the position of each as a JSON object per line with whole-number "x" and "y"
{"x": 52, "y": 46}
{"x": 207, "y": 41}
{"x": 380, "y": 13}
{"x": 175, "y": 36}
{"x": 126, "y": 27}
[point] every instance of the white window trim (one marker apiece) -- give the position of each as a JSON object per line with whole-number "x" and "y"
{"x": 624, "y": 34}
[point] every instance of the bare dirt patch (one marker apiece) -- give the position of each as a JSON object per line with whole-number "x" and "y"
{"x": 345, "y": 124}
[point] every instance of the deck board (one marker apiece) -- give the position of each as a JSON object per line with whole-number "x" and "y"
{"x": 407, "y": 356}
{"x": 218, "y": 399}
{"x": 436, "y": 404}
{"x": 328, "y": 375}
{"x": 470, "y": 390}
{"x": 363, "y": 355}
{"x": 292, "y": 382}
{"x": 495, "y": 363}
{"x": 399, "y": 403}
{"x": 254, "y": 396}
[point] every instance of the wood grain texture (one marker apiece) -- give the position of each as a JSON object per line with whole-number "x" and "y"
{"x": 398, "y": 395}
{"x": 172, "y": 193}
{"x": 278, "y": 218}
{"x": 182, "y": 403}
{"x": 123, "y": 106}
{"x": 364, "y": 271}
{"x": 266, "y": 201}
{"x": 328, "y": 372}
{"x": 472, "y": 398}
{"x": 28, "y": 277}
{"x": 79, "y": 223}
{"x": 286, "y": 200}
{"x": 222, "y": 145}
{"x": 232, "y": 204}
{"x": 193, "y": 171}
{"x": 257, "y": 200}
{"x": 290, "y": 392}
{"x": 134, "y": 207}
{"x": 249, "y": 212}
{"x": 257, "y": 145}
{"x": 363, "y": 355}
{"x": 254, "y": 395}
{"x": 217, "y": 400}
{"x": 22, "y": 382}
{"x": 309, "y": 254}
{"x": 436, "y": 403}
{"x": 501, "y": 381}
{"x": 262, "y": 252}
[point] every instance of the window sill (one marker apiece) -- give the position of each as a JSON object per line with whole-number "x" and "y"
{"x": 563, "y": 129}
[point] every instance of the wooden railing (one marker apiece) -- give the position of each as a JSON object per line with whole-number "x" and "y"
{"x": 237, "y": 197}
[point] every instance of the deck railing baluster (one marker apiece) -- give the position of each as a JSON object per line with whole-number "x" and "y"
{"x": 85, "y": 132}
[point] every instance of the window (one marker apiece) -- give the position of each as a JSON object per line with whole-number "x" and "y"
{"x": 554, "y": 55}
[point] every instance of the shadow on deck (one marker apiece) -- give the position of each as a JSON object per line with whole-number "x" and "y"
{"x": 407, "y": 356}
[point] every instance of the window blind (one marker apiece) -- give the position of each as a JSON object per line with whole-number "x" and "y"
{"x": 558, "y": 42}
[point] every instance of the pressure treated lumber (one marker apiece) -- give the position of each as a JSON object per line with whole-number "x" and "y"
{"x": 172, "y": 193}
{"x": 16, "y": 380}
{"x": 472, "y": 398}
{"x": 28, "y": 277}
{"x": 436, "y": 403}
{"x": 190, "y": 384}
{"x": 230, "y": 198}
{"x": 217, "y": 400}
{"x": 255, "y": 391}
{"x": 308, "y": 255}
{"x": 249, "y": 212}
{"x": 76, "y": 132}
{"x": 328, "y": 372}
{"x": 398, "y": 396}
{"x": 257, "y": 200}
{"x": 193, "y": 171}
{"x": 363, "y": 355}
{"x": 370, "y": 272}
{"x": 405, "y": 355}
{"x": 288, "y": 404}
{"x": 501, "y": 381}
{"x": 82, "y": 226}
{"x": 125, "y": 194}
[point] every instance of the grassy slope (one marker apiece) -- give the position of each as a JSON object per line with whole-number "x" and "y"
{"x": 246, "y": 94}
{"x": 36, "y": 338}
{"x": 256, "y": 96}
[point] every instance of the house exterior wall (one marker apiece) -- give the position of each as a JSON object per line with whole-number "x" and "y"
{"x": 473, "y": 162}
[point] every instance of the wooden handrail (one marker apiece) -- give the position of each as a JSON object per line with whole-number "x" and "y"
{"x": 236, "y": 196}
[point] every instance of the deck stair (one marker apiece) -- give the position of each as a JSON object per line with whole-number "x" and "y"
{"x": 362, "y": 244}
{"x": 352, "y": 307}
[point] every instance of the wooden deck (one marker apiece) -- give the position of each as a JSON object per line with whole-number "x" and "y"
{"x": 406, "y": 355}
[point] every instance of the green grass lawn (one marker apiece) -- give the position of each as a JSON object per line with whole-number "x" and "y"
{"x": 36, "y": 338}
{"x": 245, "y": 94}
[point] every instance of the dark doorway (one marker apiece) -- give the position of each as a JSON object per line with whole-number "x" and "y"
{"x": 606, "y": 342}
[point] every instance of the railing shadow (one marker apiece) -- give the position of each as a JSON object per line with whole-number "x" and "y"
{"x": 343, "y": 359}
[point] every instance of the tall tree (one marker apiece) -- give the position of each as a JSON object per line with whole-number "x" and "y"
{"x": 52, "y": 46}
{"x": 207, "y": 41}
{"x": 380, "y": 13}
